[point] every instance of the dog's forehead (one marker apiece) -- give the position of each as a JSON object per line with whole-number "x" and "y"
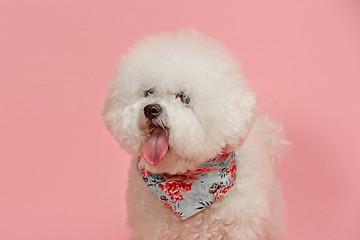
{"x": 175, "y": 63}
{"x": 180, "y": 74}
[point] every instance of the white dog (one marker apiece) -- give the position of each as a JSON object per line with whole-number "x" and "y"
{"x": 179, "y": 104}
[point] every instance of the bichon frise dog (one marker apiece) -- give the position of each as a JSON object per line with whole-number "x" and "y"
{"x": 203, "y": 159}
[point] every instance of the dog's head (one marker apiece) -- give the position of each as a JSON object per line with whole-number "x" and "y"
{"x": 178, "y": 100}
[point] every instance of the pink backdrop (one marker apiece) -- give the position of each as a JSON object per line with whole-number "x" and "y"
{"x": 62, "y": 176}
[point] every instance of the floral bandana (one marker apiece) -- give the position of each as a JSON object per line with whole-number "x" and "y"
{"x": 188, "y": 193}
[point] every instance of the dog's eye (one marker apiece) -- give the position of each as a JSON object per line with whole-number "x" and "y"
{"x": 183, "y": 98}
{"x": 148, "y": 92}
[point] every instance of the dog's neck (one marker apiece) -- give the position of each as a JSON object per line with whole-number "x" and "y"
{"x": 192, "y": 191}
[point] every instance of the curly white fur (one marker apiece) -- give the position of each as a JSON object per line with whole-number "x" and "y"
{"x": 219, "y": 116}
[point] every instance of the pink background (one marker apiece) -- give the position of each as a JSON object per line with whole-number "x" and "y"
{"x": 62, "y": 176}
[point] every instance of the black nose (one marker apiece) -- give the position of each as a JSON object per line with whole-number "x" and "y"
{"x": 152, "y": 111}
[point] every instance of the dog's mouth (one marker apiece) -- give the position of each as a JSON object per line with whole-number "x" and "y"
{"x": 156, "y": 146}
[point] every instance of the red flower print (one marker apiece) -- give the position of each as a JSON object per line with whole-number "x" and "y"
{"x": 220, "y": 192}
{"x": 145, "y": 173}
{"x": 222, "y": 157}
{"x": 231, "y": 171}
{"x": 175, "y": 189}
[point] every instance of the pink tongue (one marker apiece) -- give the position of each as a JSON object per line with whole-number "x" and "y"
{"x": 155, "y": 147}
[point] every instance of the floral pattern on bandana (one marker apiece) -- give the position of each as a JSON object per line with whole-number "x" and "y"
{"x": 188, "y": 193}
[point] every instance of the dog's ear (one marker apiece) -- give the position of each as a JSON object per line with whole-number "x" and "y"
{"x": 232, "y": 147}
{"x": 229, "y": 149}
{"x": 242, "y": 117}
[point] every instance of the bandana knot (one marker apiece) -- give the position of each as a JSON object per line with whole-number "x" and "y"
{"x": 188, "y": 193}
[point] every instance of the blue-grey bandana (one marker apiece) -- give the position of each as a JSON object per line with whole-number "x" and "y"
{"x": 188, "y": 193}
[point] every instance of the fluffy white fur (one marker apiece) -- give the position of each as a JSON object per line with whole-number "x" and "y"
{"x": 220, "y": 115}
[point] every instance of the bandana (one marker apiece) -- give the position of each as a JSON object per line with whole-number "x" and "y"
{"x": 188, "y": 193}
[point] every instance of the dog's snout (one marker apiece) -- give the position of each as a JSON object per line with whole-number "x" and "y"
{"x": 152, "y": 111}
